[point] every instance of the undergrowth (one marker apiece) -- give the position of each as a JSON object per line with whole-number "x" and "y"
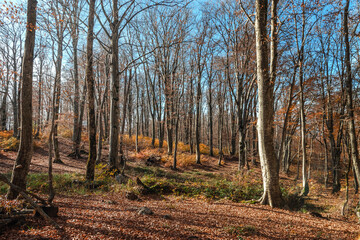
{"x": 63, "y": 183}
{"x": 197, "y": 184}
{"x": 10, "y": 143}
{"x": 187, "y": 184}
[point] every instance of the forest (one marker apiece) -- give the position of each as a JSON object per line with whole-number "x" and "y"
{"x": 171, "y": 119}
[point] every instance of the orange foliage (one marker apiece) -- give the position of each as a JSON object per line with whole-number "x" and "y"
{"x": 10, "y": 143}
{"x": 6, "y": 135}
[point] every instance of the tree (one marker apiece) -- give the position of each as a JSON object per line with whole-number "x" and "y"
{"x": 201, "y": 54}
{"x": 23, "y": 159}
{"x": 56, "y": 27}
{"x": 305, "y": 190}
{"x": 265, "y": 80}
{"x": 74, "y": 20}
{"x": 5, "y": 80}
{"x": 349, "y": 98}
{"x": 90, "y": 82}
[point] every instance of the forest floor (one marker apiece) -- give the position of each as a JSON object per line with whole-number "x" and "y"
{"x": 183, "y": 212}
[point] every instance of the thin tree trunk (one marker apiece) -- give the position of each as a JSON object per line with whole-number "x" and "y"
{"x": 210, "y": 120}
{"x": 15, "y": 98}
{"x": 191, "y": 103}
{"x": 130, "y": 106}
{"x": 233, "y": 127}
{"x": 169, "y": 98}
{"x": 287, "y": 114}
{"x": 100, "y": 138}
{"x": 305, "y": 183}
{"x": 56, "y": 110}
{"x": 39, "y": 97}
{"x": 3, "y": 108}
{"x": 137, "y": 115}
{"x": 76, "y": 103}
{"x": 197, "y": 122}
{"x": 220, "y": 125}
{"x": 77, "y": 139}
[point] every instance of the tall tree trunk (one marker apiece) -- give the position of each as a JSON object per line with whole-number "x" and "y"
{"x": 23, "y": 159}
{"x": 305, "y": 183}
{"x": 114, "y": 95}
{"x": 269, "y": 163}
{"x": 90, "y": 82}
{"x": 349, "y": 100}
{"x": 76, "y": 103}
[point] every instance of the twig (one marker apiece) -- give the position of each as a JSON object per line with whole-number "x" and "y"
{"x": 26, "y": 196}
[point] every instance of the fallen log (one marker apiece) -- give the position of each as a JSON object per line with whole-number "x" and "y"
{"x": 4, "y": 179}
{"x": 10, "y": 221}
{"x": 24, "y": 212}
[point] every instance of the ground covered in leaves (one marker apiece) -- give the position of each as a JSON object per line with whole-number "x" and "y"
{"x": 179, "y": 211}
{"x": 114, "y": 217}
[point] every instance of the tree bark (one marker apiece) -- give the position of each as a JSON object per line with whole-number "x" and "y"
{"x": 349, "y": 100}
{"x": 114, "y": 95}
{"x": 23, "y": 159}
{"x": 76, "y": 103}
{"x": 269, "y": 163}
{"x": 305, "y": 189}
{"x": 90, "y": 82}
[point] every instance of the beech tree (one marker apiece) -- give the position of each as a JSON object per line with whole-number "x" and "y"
{"x": 266, "y": 74}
